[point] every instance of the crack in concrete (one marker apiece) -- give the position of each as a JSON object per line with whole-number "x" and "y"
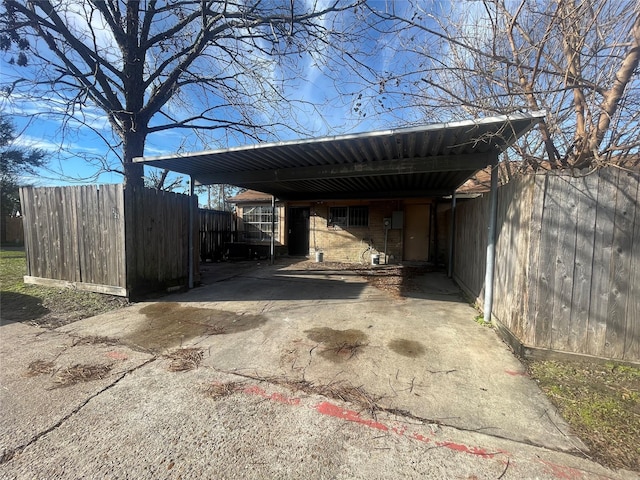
{"x": 309, "y": 388}
{"x": 7, "y": 455}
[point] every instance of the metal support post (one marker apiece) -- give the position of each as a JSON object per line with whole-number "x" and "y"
{"x": 491, "y": 244}
{"x": 191, "y": 236}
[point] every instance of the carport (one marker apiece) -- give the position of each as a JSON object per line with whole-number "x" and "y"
{"x": 432, "y": 160}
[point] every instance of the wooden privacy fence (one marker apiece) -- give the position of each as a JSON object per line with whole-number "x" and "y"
{"x": 11, "y": 231}
{"x": 567, "y": 272}
{"x": 217, "y": 228}
{"x": 106, "y": 238}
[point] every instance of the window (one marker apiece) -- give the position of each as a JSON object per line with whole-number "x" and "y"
{"x": 349, "y": 216}
{"x": 257, "y": 222}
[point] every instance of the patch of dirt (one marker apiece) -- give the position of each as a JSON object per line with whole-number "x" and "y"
{"x": 338, "y": 345}
{"x": 600, "y": 402}
{"x": 40, "y": 367}
{"x": 80, "y": 373}
{"x": 397, "y": 280}
{"x": 185, "y": 359}
{"x": 220, "y": 390}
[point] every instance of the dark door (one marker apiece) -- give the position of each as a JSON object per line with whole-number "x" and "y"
{"x": 416, "y": 232}
{"x": 298, "y": 231}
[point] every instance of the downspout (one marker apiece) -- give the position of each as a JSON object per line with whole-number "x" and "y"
{"x": 452, "y": 233}
{"x": 491, "y": 243}
{"x": 273, "y": 229}
{"x": 190, "y": 236}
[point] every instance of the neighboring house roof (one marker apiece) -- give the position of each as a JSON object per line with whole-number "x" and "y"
{"x": 250, "y": 196}
{"x": 430, "y": 160}
{"x": 480, "y": 182}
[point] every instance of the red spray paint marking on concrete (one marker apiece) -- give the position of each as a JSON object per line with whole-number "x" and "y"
{"x": 332, "y": 410}
{"x": 275, "y": 397}
{"x": 117, "y": 355}
{"x": 565, "y": 473}
{"x": 420, "y": 438}
{"x": 514, "y": 373}
{"x": 458, "y": 447}
{"x": 327, "y": 408}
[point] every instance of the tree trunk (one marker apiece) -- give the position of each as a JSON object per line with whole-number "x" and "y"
{"x": 133, "y": 146}
{"x": 134, "y": 123}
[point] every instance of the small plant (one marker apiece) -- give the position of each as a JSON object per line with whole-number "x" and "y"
{"x": 479, "y": 319}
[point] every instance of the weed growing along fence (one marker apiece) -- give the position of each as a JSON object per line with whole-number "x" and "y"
{"x": 567, "y": 261}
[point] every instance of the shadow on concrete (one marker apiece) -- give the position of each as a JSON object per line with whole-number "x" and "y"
{"x": 18, "y": 307}
{"x": 292, "y": 279}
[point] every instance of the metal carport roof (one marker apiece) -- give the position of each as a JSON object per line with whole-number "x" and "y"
{"x": 431, "y": 160}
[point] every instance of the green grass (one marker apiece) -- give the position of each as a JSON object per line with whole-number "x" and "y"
{"x": 44, "y": 306}
{"x": 601, "y": 403}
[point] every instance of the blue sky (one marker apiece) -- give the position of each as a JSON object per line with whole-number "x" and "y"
{"x": 330, "y": 108}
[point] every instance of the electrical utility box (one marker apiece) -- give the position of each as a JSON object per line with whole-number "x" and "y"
{"x": 397, "y": 220}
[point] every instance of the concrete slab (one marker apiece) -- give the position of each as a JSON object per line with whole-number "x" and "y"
{"x": 423, "y": 355}
{"x": 305, "y": 373}
{"x": 33, "y": 364}
{"x": 155, "y": 424}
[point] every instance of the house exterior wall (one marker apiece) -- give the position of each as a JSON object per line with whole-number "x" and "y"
{"x": 355, "y": 244}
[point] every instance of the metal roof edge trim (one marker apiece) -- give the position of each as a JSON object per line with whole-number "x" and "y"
{"x": 535, "y": 115}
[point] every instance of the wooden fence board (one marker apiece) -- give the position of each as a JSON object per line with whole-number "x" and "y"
{"x": 620, "y": 260}
{"x": 470, "y": 245}
{"x": 533, "y": 265}
{"x": 605, "y": 223}
{"x": 157, "y": 238}
{"x": 217, "y": 228}
{"x": 25, "y": 204}
{"x": 567, "y": 262}
{"x": 565, "y": 248}
{"x": 632, "y": 338}
{"x": 98, "y": 236}
{"x": 507, "y": 283}
{"x": 547, "y": 263}
{"x": 586, "y": 189}
{"x": 71, "y": 221}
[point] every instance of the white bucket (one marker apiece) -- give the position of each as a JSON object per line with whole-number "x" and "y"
{"x": 319, "y": 257}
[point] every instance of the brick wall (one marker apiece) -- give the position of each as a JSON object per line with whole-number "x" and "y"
{"x": 354, "y": 244}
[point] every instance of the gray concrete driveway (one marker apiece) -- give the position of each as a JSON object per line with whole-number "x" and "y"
{"x": 302, "y": 373}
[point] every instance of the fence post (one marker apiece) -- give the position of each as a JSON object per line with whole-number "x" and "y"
{"x": 191, "y": 236}
{"x": 273, "y": 227}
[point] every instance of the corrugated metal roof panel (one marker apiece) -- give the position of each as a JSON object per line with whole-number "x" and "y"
{"x": 420, "y": 161}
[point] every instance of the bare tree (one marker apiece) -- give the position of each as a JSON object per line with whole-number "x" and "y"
{"x": 577, "y": 59}
{"x": 152, "y": 65}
